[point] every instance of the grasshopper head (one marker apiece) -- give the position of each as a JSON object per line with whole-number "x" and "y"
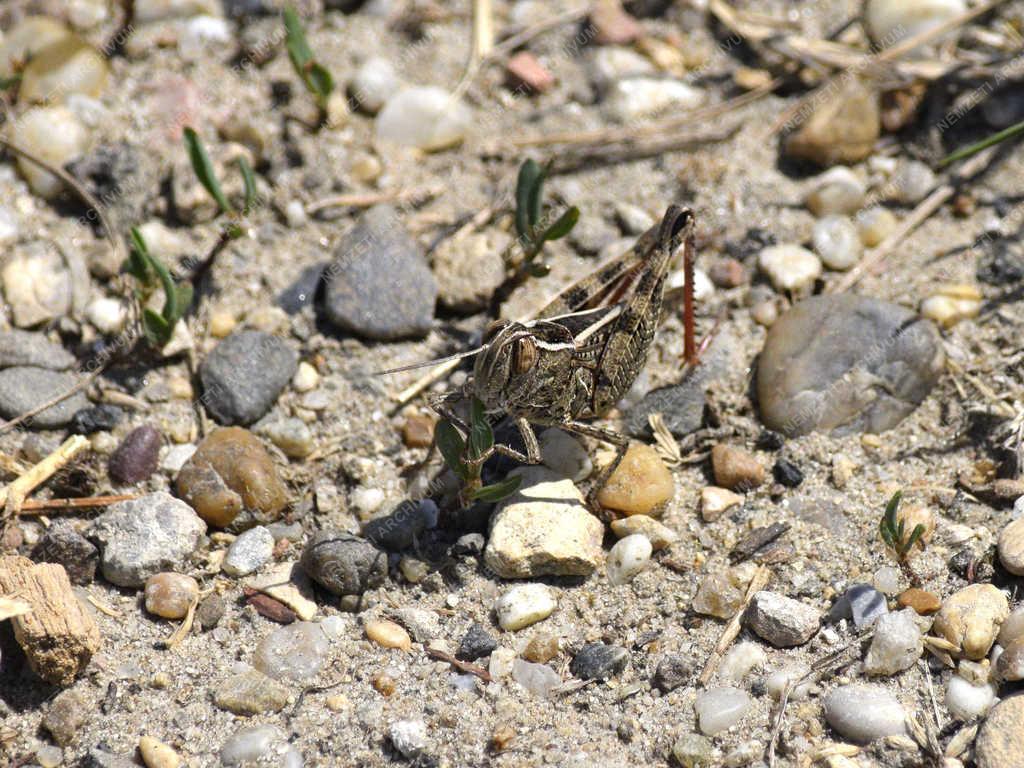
{"x": 519, "y": 361}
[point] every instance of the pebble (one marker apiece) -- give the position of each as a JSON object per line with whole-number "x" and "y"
{"x": 673, "y": 671}
{"x": 740, "y": 660}
{"x": 67, "y": 714}
{"x": 777, "y": 681}
{"x": 874, "y": 225}
{"x": 288, "y": 584}
{"x": 542, "y": 648}
{"x": 387, "y": 634}
{"x": 409, "y": 737}
{"x": 863, "y": 713}
{"x": 968, "y": 701}
{"x": 210, "y": 611}
{"x": 890, "y": 22}
{"x": 627, "y": 558}
{"x": 715, "y": 502}
{"x": 19, "y": 348}
{"x": 728, "y": 273}
{"x": 526, "y": 74}
{"x": 632, "y": 98}
{"x": 821, "y": 360}
{"x": 229, "y": 472}
{"x": 293, "y": 436}
{"x": 249, "y": 552}
{"x": 912, "y": 182}
{"x": 789, "y": 267}
{"x": 887, "y": 578}
{"x": 294, "y": 652}
{"x": 692, "y": 750}
{"x": 951, "y": 304}
{"x": 141, "y": 537}
{"x": 259, "y": 745}
{"x": 970, "y": 619}
{"x": 640, "y": 484}
{"x": 344, "y": 564}
{"x": 719, "y": 709}
{"x": 1013, "y": 627}
{"x": 843, "y": 127}
{"x": 611, "y": 25}
{"x": 543, "y": 529}
{"x": 157, "y": 754}
{"x": 611, "y": 63}
{"x": 244, "y": 374}
{"x": 49, "y": 756}
{"x": 24, "y": 388}
{"x": 107, "y": 315}
{"x": 306, "y": 378}
{"x": 896, "y": 645}
{"x": 53, "y": 134}
{"x": 66, "y": 66}
{"x": 399, "y": 530}
{"x": 860, "y": 603}
{"x": 170, "y": 595}
{"x": 717, "y": 596}
{"x": 599, "y": 661}
{"x": 837, "y": 191}
{"x": 524, "y": 605}
{"x": 632, "y": 219}
{"x": 250, "y": 693}
{"x": 837, "y": 242}
{"x": 923, "y": 603}
{"x": 62, "y": 543}
{"x": 765, "y": 313}
{"x": 418, "y": 431}
{"x": 787, "y": 473}
{"x": 538, "y": 679}
{"x": 379, "y": 286}
{"x": 681, "y": 406}
{"x": 374, "y": 83}
{"x": 176, "y": 457}
{"x": 476, "y": 643}
{"x": 565, "y": 455}
{"x": 137, "y": 457}
{"x": 736, "y": 469}
{"x": 1000, "y": 742}
{"x": 660, "y": 536}
{"x": 781, "y": 620}
{"x": 425, "y": 117}
{"x": 30, "y": 34}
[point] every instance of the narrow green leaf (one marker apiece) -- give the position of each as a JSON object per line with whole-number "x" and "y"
{"x": 563, "y": 226}
{"x": 498, "y": 491}
{"x": 915, "y": 536}
{"x": 184, "y": 297}
{"x": 529, "y": 171}
{"x": 170, "y": 311}
{"x": 204, "y": 169}
{"x": 319, "y": 81}
{"x": 536, "y": 196}
{"x": 8, "y": 82}
{"x": 452, "y": 445}
{"x": 481, "y": 438}
{"x": 249, "y": 179}
{"x": 295, "y": 40}
{"x": 891, "y": 507}
{"x": 158, "y": 331}
{"x": 973, "y": 149}
{"x": 139, "y": 242}
{"x": 886, "y": 534}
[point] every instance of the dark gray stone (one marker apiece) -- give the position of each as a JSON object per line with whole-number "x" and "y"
{"x": 98, "y": 418}
{"x": 379, "y": 286}
{"x": 26, "y": 348}
{"x": 301, "y": 293}
{"x": 846, "y": 364}
{"x": 244, "y": 374}
{"x": 673, "y": 670}
{"x": 862, "y": 604}
{"x": 64, "y": 545}
{"x": 681, "y": 406}
{"x": 344, "y": 564}
{"x": 137, "y": 457}
{"x": 476, "y": 643}
{"x": 398, "y": 530}
{"x": 597, "y": 661}
{"x": 25, "y": 387}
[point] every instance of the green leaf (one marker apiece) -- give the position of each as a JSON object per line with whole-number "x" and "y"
{"x": 451, "y": 444}
{"x": 204, "y": 169}
{"x": 295, "y": 40}
{"x": 481, "y": 438}
{"x": 536, "y": 196}
{"x": 915, "y": 535}
{"x": 886, "y": 534}
{"x": 158, "y": 330}
{"x": 563, "y": 226}
{"x": 319, "y": 81}
{"x": 973, "y": 149}
{"x": 529, "y": 172}
{"x": 891, "y": 508}
{"x": 498, "y": 491}
{"x": 184, "y": 297}
{"x": 249, "y": 179}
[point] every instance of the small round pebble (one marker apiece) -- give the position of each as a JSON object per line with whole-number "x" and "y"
{"x": 874, "y": 225}
{"x": 837, "y": 243}
{"x": 896, "y": 644}
{"x": 640, "y": 484}
{"x": 789, "y": 267}
{"x": 966, "y": 700}
{"x": 715, "y": 501}
{"x": 1010, "y": 665}
{"x": 660, "y": 536}
{"x": 721, "y": 708}
{"x": 912, "y": 182}
{"x": 306, "y": 378}
{"x": 156, "y": 754}
{"x": 542, "y": 648}
{"x": 627, "y": 558}
{"x": 1011, "y": 547}
{"x": 781, "y": 620}
{"x": 740, "y": 660}
{"x": 1013, "y": 627}
{"x": 970, "y": 619}
{"x": 137, "y": 457}
{"x": 249, "y": 552}
{"x": 673, "y": 670}
{"x": 863, "y": 713}
{"x": 259, "y": 745}
{"x": 169, "y": 595}
{"x": 294, "y": 652}
{"x": 951, "y": 304}
{"x": 344, "y": 564}
{"x": 599, "y": 661}
{"x": 409, "y": 737}
{"x": 837, "y": 191}
{"x": 476, "y": 643}
{"x": 524, "y": 605}
{"x": 736, "y": 469}
{"x": 923, "y": 602}
{"x": 210, "y": 611}
{"x": 387, "y": 634}
{"x": 799, "y": 688}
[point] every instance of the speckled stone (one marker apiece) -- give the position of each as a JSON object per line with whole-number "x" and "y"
{"x": 599, "y": 661}
{"x": 244, "y": 374}
{"x": 1000, "y": 742}
{"x": 970, "y": 619}
{"x": 63, "y": 544}
{"x": 250, "y": 693}
{"x": 344, "y": 564}
{"x": 25, "y": 387}
{"x": 781, "y": 620}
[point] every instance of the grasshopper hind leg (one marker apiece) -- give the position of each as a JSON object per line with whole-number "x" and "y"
{"x": 621, "y": 443}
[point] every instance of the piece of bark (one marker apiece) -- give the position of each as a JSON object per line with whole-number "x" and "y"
{"x": 58, "y": 635}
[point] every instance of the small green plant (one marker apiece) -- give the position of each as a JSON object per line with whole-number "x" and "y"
{"x": 204, "y": 171}
{"x": 894, "y": 534}
{"x": 314, "y": 75}
{"x": 532, "y": 219}
{"x": 973, "y": 149}
{"x": 465, "y": 456}
{"x": 151, "y": 273}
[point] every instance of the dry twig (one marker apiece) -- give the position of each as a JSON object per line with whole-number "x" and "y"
{"x": 14, "y": 494}
{"x": 732, "y": 629}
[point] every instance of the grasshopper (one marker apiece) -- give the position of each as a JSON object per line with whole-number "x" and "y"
{"x": 584, "y": 349}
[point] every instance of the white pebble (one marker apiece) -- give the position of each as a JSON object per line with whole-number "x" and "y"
{"x": 200, "y": 34}
{"x": 176, "y": 457}
{"x": 425, "y": 117}
{"x": 634, "y": 97}
{"x": 53, "y": 134}
{"x": 891, "y": 22}
{"x": 912, "y": 182}
{"x": 628, "y": 558}
{"x": 524, "y": 605}
{"x": 565, "y": 455}
{"x": 8, "y": 226}
{"x": 501, "y": 663}
{"x": 306, "y": 378}
{"x": 789, "y": 267}
{"x": 874, "y": 224}
{"x": 538, "y": 679}
{"x": 837, "y": 242}
{"x": 295, "y": 214}
{"x": 966, "y": 700}
{"x": 374, "y": 83}
{"x": 367, "y": 500}
{"x": 408, "y": 736}
{"x": 721, "y": 708}
{"x": 248, "y": 552}
{"x": 107, "y": 315}
{"x": 837, "y": 191}
{"x": 740, "y": 659}
{"x": 896, "y": 644}
{"x": 887, "y": 580}
{"x": 864, "y": 713}
{"x": 777, "y": 681}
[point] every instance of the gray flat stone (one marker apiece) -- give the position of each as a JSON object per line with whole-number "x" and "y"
{"x": 244, "y": 374}
{"x": 27, "y": 348}
{"x": 25, "y": 387}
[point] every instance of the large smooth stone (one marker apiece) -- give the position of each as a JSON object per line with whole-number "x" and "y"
{"x": 846, "y": 363}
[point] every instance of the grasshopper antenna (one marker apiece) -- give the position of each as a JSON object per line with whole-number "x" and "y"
{"x": 428, "y": 363}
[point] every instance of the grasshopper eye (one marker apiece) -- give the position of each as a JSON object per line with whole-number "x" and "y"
{"x": 524, "y": 355}
{"x": 493, "y": 329}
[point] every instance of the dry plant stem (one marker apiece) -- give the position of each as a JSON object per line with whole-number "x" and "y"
{"x": 14, "y": 494}
{"x": 732, "y": 629}
{"x": 368, "y": 199}
{"x": 104, "y": 608}
{"x": 183, "y": 629}
{"x": 7, "y": 426}
{"x": 483, "y": 30}
{"x": 57, "y": 505}
{"x": 462, "y": 666}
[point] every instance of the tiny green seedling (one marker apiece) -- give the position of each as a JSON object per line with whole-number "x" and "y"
{"x": 151, "y": 273}
{"x": 532, "y": 220}
{"x": 894, "y": 534}
{"x": 314, "y": 75}
{"x": 204, "y": 171}
{"x": 465, "y": 456}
